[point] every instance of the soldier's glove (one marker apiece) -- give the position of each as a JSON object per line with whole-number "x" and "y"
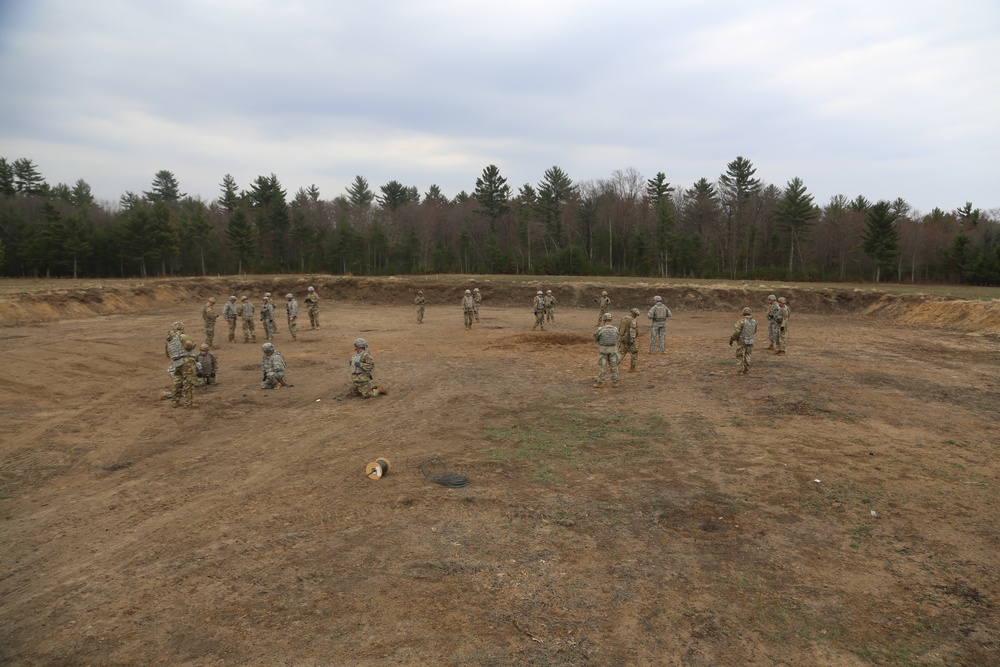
{"x": 730, "y": 343}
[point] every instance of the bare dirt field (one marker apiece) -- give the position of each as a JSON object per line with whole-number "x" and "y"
{"x": 838, "y": 506}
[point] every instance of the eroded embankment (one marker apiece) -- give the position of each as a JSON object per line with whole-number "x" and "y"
{"x": 39, "y": 302}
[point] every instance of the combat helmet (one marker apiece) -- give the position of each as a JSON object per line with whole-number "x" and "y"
{"x": 360, "y": 342}
{"x": 747, "y": 311}
{"x": 606, "y": 317}
{"x": 267, "y": 347}
{"x": 204, "y": 347}
{"x": 635, "y": 311}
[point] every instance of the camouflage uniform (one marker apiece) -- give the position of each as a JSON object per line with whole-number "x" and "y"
{"x": 208, "y": 315}
{"x": 312, "y": 306}
{"x": 267, "y": 318}
{"x": 273, "y": 368}
{"x": 658, "y": 331}
{"x": 182, "y": 363}
{"x": 539, "y": 308}
{"x": 246, "y": 313}
{"x": 782, "y": 321}
{"x": 231, "y": 312}
{"x": 628, "y": 332}
{"x": 419, "y": 302}
{"x": 206, "y": 366}
{"x": 743, "y": 334}
{"x": 292, "y": 311}
{"x": 362, "y": 365}
{"x": 477, "y": 300}
{"x": 274, "y": 322}
{"x": 468, "y": 308}
{"x": 606, "y": 337}
{"x": 773, "y": 312}
{"x": 550, "y": 307}
{"x": 603, "y": 306}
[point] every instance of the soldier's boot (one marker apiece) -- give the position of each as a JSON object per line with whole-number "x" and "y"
{"x": 192, "y": 405}
{"x": 633, "y": 369}
{"x": 598, "y": 385}
{"x": 770, "y": 347}
{"x": 614, "y": 384}
{"x": 254, "y": 339}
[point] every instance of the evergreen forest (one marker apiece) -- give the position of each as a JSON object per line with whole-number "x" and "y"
{"x": 735, "y": 226}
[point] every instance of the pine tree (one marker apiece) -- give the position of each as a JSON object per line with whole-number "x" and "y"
{"x": 165, "y": 187}
{"x": 658, "y": 192}
{"x": 796, "y": 213}
{"x": 230, "y": 198}
{"x": 27, "y": 179}
{"x": 493, "y": 195}
{"x": 242, "y": 237}
{"x": 881, "y": 238}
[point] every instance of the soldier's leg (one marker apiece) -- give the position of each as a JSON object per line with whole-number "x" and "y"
{"x": 246, "y": 330}
{"x": 602, "y": 362}
{"x": 293, "y": 328}
{"x": 232, "y": 330}
{"x": 634, "y": 361}
{"x": 189, "y": 372}
{"x": 613, "y": 361}
{"x": 253, "y": 331}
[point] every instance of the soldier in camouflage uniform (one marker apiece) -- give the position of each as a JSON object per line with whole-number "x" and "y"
{"x": 274, "y": 322}
{"x": 468, "y": 308}
{"x": 292, "y": 311}
{"x": 272, "y": 365}
{"x": 658, "y": 331}
{"x": 246, "y": 314}
{"x": 539, "y": 308}
{"x": 420, "y": 302}
{"x": 773, "y": 311}
{"x": 782, "y": 321}
{"x": 606, "y": 337}
{"x": 628, "y": 332}
{"x": 208, "y": 316}
{"x": 312, "y": 306}
{"x": 550, "y": 307}
{"x": 206, "y": 366}
{"x": 477, "y": 300}
{"x": 743, "y": 333}
{"x": 267, "y": 318}
{"x": 231, "y": 312}
{"x": 179, "y": 349}
{"x": 603, "y": 306}
{"x": 362, "y": 365}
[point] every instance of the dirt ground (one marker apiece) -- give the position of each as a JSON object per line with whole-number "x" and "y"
{"x": 835, "y": 507}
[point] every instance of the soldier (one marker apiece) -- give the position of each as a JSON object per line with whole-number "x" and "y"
{"x": 658, "y": 332}
{"x": 606, "y": 337}
{"x": 246, "y": 314}
{"x": 603, "y": 306}
{"x": 362, "y": 365}
{"x": 274, "y": 322}
{"x": 272, "y": 365}
{"x": 208, "y": 315}
{"x": 538, "y": 307}
{"x": 782, "y": 321}
{"x": 206, "y": 366}
{"x": 550, "y": 307}
{"x": 179, "y": 349}
{"x": 420, "y": 302}
{"x": 773, "y": 312}
{"x": 477, "y": 300}
{"x": 743, "y": 333}
{"x": 312, "y": 305}
{"x": 468, "y": 308}
{"x": 267, "y": 318}
{"x": 231, "y": 311}
{"x": 628, "y": 332}
{"x": 292, "y": 311}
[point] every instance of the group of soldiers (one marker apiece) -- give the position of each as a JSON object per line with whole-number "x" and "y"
{"x": 244, "y": 310}
{"x": 778, "y": 315}
{"x": 616, "y": 343}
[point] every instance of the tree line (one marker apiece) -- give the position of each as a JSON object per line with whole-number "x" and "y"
{"x": 736, "y": 226}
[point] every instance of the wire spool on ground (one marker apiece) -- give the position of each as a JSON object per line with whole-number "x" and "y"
{"x": 377, "y": 469}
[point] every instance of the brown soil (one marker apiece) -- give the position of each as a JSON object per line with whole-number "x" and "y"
{"x": 835, "y": 507}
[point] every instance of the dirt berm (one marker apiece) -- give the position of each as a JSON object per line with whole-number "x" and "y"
{"x": 38, "y": 302}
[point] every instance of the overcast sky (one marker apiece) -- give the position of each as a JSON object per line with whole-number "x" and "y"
{"x": 883, "y": 98}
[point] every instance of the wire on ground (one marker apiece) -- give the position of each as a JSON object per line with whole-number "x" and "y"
{"x": 435, "y": 470}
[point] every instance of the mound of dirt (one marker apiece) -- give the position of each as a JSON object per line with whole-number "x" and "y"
{"x": 41, "y": 303}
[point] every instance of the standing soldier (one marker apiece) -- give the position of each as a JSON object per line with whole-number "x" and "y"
{"x": 267, "y": 318}
{"x": 550, "y": 307}
{"x": 231, "y": 311}
{"x": 743, "y": 333}
{"x": 246, "y": 314}
{"x": 658, "y": 332}
{"x": 782, "y": 321}
{"x": 539, "y": 307}
{"x": 274, "y": 322}
{"x": 362, "y": 365}
{"x": 208, "y": 315}
{"x": 628, "y": 332}
{"x": 420, "y": 302}
{"x": 312, "y": 305}
{"x": 206, "y": 366}
{"x": 606, "y": 337}
{"x": 468, "y": 308}
{"x": 272, "y": 365}
{"x": 773, "y": 312}
{"x": 477, "y": 300}
{"x": 292, "y": 311}
{"x": 179, "y": 349}
{"x": 603, "y": 306}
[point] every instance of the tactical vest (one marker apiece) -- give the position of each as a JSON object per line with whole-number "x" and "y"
{"x": 607, "y": 335}
{"x": 175, "y": 347}
{"x": 356, "y": 367}
{"x": 749, "y": 329}
{"x": 660, "y": 312}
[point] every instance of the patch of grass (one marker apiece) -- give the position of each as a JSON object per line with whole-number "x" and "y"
{"x": 858, "y": 535}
